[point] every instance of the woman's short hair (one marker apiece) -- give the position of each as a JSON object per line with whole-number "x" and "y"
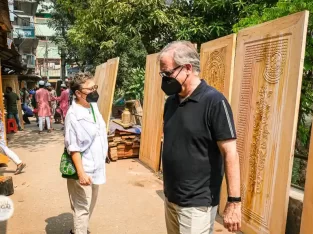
{"x": 79, "y": 79}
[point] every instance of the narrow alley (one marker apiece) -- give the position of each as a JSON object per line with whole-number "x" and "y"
{"x": 131, "y": 202}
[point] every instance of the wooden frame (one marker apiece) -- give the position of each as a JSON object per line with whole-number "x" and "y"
{"x": 152, "y": 122}
{"x": 265, "y": 102}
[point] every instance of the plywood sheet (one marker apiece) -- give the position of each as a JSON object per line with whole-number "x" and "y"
{"x": 217, "y": 63}
{"x": 265, "y": 101}
{"x": 12, "y": 81}
{"x": 152, "y": 122}
{"x": 105, "y": 78}
{"x": 217, "y": 59}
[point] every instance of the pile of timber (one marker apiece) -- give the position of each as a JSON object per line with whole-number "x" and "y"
{"x": 123, "y": 145}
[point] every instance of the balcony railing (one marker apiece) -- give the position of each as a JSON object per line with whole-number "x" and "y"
{"x": 23, "y": 31}
{"x": 51, "y": 72}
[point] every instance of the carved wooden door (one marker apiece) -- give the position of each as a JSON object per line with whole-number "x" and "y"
{"x": 152, "y": 122}
{"x": 217, "y": 69}
{"x": 217, "y": 63}
{"x": 265, "y": 102}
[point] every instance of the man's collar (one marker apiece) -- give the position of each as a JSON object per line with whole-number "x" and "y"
{"x": 196, "y": 94}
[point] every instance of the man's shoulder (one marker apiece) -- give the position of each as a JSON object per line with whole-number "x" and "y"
{"x": 212, "y": 95}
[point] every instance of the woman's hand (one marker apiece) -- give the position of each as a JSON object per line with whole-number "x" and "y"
{"x": 84, "y": 179}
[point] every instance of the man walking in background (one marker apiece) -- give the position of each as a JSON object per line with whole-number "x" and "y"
{"x": 64, "y": 100}
{"x": 53, "y": 95}
{"x": 43, "y": 100}
{"x": 199, "y": 135}
{"x": 11, "y": 100}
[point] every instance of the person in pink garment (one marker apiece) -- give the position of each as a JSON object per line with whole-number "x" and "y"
{"x": 43, "y": 99}
{"x": 64, "y": 100}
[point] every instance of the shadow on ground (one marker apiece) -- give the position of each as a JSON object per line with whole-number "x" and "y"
{"x": 62, "y": 223}
{"x": 32, "y": 141}
{"x": 3, "y": 227}
{"x": 161, "y": 194}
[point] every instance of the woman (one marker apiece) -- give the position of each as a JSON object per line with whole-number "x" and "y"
{"x": 86, "y": 142}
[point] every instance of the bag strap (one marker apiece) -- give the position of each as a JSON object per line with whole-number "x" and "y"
{"x": 93, "y": 113}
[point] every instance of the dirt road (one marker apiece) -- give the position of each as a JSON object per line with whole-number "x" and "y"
{"x": 130, "y": 203}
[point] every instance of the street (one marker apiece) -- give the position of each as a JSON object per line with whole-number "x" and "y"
{"x": 131, "y": 202}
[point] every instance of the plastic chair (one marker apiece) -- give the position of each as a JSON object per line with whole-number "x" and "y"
{"x": 11, "y": 126}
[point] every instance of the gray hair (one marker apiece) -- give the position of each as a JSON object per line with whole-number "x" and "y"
{"x": 184, "y": 52}
{"x": 79, "y": 79}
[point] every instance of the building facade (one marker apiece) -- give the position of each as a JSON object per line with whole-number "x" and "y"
{"x": 24, "y": 32}
{"x": 48, "y": 59}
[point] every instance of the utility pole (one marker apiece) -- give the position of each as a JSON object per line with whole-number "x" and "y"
{"x": 46, "y": 61}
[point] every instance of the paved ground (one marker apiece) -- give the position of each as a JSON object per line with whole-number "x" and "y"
{"x": 130, "y": 203}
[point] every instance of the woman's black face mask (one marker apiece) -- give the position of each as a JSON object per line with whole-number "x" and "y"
{"x": 92, "y": 97}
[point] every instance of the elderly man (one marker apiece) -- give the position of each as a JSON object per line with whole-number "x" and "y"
{"x": 199, "y": 135}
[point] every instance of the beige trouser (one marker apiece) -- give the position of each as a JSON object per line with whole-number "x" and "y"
{"x": 189, "y": 220}
{"x": 83, "y": 200}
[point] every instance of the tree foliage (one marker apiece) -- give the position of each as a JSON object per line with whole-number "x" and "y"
{"x": 96, "y": 30}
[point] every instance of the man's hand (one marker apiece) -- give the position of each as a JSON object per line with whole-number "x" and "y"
{"x": 232, "y": 216}
{"x": 84, "y": 179}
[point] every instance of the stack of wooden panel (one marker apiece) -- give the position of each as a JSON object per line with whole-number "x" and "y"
{"x": 123, "y": 145}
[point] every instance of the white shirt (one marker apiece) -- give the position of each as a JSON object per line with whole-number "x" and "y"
{"x": 83, "y": 134}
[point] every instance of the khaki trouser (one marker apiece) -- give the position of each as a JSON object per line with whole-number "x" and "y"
{"x": 189, "y": 220}
{"x": 83, "y": 200}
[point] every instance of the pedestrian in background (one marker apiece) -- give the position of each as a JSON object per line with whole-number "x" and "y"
{"x": 86, "y": 142}
{"x": 20, "y": 165}
{"x": 27, "y": 113}
{"x": 43, "y": 100}
{"x": 11, "y": 100}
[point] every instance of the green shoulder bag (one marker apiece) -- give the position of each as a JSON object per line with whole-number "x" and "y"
{"x": 67, "y": 167}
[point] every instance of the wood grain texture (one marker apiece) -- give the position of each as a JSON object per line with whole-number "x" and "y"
{"x": 307, "y": 218}
{"x": 105, "y": 78}
{"x": 265, "y": 102}
{"x": 12, "y": 81}
{"x": 217, "y": 59}
{"x": 217, "y": 63}
{"x": 152, "y": 122}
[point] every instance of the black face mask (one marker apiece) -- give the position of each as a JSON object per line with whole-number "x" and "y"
{"x": 92, "y": 97}
{"x": 170, "y": 85}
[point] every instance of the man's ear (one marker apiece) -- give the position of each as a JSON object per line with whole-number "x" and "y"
{"x": 188, "y": 68}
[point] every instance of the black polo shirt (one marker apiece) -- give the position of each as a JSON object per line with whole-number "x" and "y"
{"x": 192, "y": 162}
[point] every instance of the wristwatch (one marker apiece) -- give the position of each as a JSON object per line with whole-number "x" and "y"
{"x": 234, "y": 199}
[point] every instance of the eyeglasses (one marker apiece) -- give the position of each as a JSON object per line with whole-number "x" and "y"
{"x": 170, "y": 72}
{"x": 95, "y": 87}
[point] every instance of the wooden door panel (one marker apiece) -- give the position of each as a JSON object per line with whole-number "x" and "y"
{"x": 152, "y": 122}
{"x": 217, "y": 59}
{"x": 105, "y": 78}
{"x": 265, "y": 101}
